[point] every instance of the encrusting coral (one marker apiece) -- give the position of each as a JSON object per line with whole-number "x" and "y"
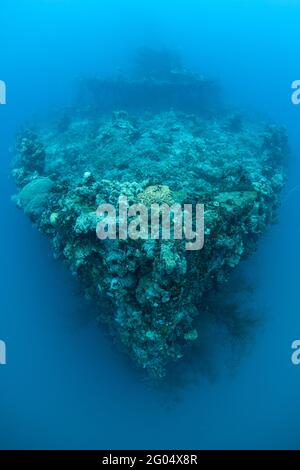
{"x": 232, "y": 165}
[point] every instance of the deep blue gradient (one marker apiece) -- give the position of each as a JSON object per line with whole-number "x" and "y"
{"x": 66, "y": 385}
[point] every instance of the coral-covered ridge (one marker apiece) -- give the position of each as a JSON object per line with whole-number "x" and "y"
{"x": 155, "y": 289}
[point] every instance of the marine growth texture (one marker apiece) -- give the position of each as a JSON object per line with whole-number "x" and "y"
{"x": 158, "y": 136}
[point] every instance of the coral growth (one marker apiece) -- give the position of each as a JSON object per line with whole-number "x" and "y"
{"x": 156, "y": 288}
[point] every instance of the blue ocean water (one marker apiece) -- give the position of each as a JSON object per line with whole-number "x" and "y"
{"x": 65, "y": 384}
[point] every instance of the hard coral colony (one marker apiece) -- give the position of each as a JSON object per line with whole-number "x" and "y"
{"x": 161, "y": 129}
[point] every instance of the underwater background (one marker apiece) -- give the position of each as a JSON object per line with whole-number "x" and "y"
{"x": 66, "y": 385}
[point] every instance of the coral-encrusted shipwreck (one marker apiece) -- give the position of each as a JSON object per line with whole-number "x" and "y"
{"x": 89, "y": 155}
